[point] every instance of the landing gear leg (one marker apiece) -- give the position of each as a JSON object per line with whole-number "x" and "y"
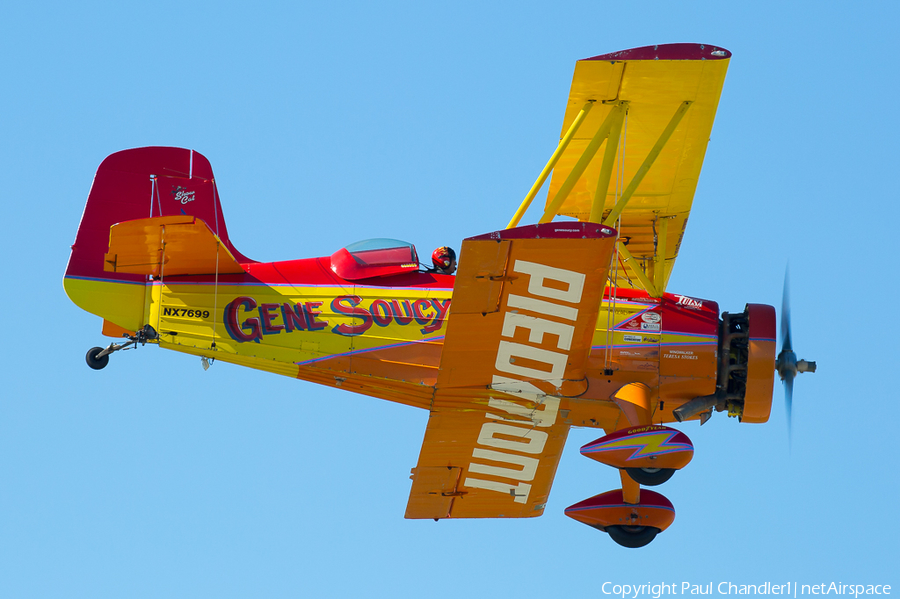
{"x": 98, "y": 357}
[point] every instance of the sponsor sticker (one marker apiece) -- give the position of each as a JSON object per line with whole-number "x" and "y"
{"x": 689, "y": 302}
{"x": 651, "y": 317}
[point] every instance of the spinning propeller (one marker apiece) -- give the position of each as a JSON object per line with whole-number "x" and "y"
{"x": 787, "y": 363}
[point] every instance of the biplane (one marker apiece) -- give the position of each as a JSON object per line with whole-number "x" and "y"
{"x": 545, "y": 326}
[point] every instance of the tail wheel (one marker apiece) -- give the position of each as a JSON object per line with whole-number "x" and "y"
{"x": 93, "y": 361}
{"x": 632, "y": 536}
{"x": 650, "y": 476}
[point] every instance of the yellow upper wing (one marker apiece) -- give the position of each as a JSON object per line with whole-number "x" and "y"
{"x": 651, "y": 87}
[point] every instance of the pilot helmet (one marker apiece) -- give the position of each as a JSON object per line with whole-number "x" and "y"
{"x": 442, "y": 257}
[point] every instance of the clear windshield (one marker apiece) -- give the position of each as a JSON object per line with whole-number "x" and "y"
{"x": 382, "y": 252}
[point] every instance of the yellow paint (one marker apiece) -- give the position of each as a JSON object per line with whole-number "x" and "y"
{"x": 120, "y": 303}
{"x": 654, "y": 90}
{"x": 563, "y": 144}
{"x": 609, "y": 156}
{"x": 652, "y": 155}
{"x": 637, "y": 270}
{"x": 659, "y": 263}
{"x": 584, "y": 160}
{"x": 192, "y": 317}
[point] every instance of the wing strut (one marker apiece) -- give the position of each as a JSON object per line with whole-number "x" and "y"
{"x": 563, "y": 144}
{"x": 659, "y": 264}
{"x": 606, "y": 167}
{"x": 609, "y": 131}
{"x": 669, "y": 96}
{"x": 613, "y": 122}
{"x": 649, "y": 287}
{"x": 648, "y": 162}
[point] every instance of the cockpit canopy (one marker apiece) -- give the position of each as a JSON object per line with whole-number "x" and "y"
{"x": 374, "y": 258}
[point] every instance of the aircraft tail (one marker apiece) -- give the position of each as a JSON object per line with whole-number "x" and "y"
{"x": 129, "y": 185}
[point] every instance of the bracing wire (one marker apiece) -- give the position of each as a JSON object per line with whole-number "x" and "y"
{"x": 152, "y": 192}
{"x": 162, "y": 283}
{"x": 216, "y": 283}
{"x": 611, "y": 303}
{"x": 158, "y": 201}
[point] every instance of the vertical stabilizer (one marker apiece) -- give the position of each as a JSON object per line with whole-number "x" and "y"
{"x": 129, "y": 185}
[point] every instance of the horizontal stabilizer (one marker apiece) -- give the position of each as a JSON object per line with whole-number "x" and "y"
{"x": 168, "y": 245}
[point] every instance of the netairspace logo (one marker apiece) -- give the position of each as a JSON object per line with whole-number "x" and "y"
{"x": 787, "y": 589}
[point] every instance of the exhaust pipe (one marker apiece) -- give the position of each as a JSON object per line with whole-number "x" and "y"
{"x": 697, "y": 405}
{"x": 703, "y": 403}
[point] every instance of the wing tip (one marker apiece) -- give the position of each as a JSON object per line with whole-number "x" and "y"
{"x": 668, "y": 52}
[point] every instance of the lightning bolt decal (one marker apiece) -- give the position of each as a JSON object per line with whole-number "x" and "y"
{"x": 644, "y": 444}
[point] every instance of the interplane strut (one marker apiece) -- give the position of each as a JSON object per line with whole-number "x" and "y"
{"x": 610, "y": 131}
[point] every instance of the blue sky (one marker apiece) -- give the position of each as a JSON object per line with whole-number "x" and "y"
{"x": 330, "y": 124}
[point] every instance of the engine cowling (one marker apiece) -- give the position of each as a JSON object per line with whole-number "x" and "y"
{"x": 745, "y": 370}
{"x": 760, "y": 363}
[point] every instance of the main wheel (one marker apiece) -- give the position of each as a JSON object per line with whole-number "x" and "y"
{"x": 632, "y": 536}
{"x": 650, "y": 476}
{"x": 93, "y": 361}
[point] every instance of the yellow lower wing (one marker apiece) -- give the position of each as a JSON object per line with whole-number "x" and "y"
{"x": 473, "y": 464}
{"x": 523, "y": 313}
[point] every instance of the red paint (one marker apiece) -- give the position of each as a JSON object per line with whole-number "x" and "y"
{"x": 680, "y": 313}
{"x": 294, "y": 317}
{"x": 235, "y": 327}
{"x": 762, "y": 321}
{"x": 441, "y": 306}
{"x": 312, "y": 310}
{"x": 348, "y": 305}
{"x": 349, "y": 268}
{"x": 266, "y": 315}
{"x": 562, "y": 230}
{"x": 183, "y": 183}
{"x": 123, "y": 190}
{"x": 668, "y": 52}
{"x": 610, "y": 509}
